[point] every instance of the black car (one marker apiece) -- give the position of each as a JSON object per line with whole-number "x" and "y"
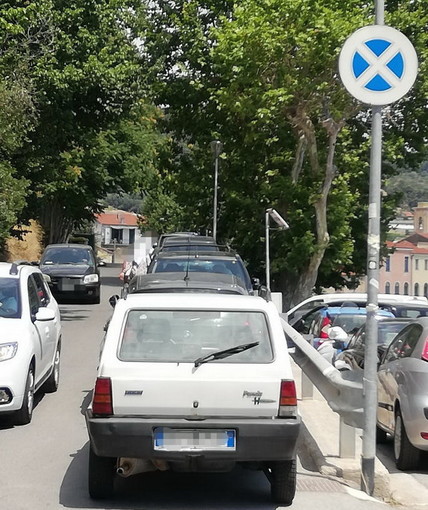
{"x": 220, "y": 262}
{"x": 180, "y": 282}
{"x": 72, "y": 272}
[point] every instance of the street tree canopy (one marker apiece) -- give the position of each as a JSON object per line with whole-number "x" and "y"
{"x": 262, "y": 78}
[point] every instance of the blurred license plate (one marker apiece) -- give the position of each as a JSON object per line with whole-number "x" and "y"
{"x": 177, "y": 440}
{"x": 67, "y": 284}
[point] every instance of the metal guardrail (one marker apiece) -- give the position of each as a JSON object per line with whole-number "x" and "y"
{"x": 343, "y": 391}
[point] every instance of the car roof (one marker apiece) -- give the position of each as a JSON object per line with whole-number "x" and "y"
{"x": 183, "y": 282}
{"x": 13, "y": 270}
{"x": 195, "y": 301}
{"x": 69, "y": 245}
{"x": 205, "y": 255}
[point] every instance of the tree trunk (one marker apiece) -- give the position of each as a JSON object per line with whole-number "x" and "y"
{"x": 296, "y": 288}
{"x": 56, "y": 226}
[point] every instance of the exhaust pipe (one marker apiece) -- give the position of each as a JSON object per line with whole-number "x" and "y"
{"x": 127, "y": 466}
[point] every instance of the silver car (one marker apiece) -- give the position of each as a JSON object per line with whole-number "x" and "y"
{"x": 403, "y": 395}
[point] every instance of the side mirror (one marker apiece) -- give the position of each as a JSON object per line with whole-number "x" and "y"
{"x": 101, "y": 263}
{"x": 45, "y": 314}
{"x": 113, "y": 300}
{"x": 256, "y": 283}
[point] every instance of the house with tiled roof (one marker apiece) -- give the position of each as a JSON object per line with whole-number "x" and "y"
{"x": 405, "y": 271}
{"x": 118, "y": 233}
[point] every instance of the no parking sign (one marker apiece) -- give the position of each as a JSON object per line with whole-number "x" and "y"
{"x": 378, "y": 65}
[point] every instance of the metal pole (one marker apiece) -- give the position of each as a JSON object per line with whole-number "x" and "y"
{"x": 267, "y": 251}
{"x": 216, "y": 148}
{"x": 215, "y": 198}
{"x": 373, "y": 247}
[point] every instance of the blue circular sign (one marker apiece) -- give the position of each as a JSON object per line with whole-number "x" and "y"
{"x": 378, "y": 64}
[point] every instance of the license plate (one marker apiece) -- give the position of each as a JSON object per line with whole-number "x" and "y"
{"x": 179, "y": 440}
{"x": 67, "y": 284}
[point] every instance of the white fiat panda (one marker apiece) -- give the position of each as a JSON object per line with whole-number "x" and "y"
{"x": 193, "y": 382}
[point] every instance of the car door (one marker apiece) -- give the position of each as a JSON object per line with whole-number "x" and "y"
{"x": 41, "y": 333}
{"x": 50, "y": 327}
{"x": 390, "y": 374}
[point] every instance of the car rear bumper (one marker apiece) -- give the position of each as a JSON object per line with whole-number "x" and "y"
{"x": 256, "y": 440}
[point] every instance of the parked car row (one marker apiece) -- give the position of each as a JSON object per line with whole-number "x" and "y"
{"x": 194, "y": 375}
{"x": 339, "y": 333}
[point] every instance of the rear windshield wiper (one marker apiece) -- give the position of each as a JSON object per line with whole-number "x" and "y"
{"x": 225, "y": 353}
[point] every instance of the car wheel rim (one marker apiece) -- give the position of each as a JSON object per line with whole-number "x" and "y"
{"x": 30, "y": 393}
{"x": 397, "y": 436}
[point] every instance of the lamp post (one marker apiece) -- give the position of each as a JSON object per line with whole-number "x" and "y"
{"x": 282, "y": 225}
{"x": 216, "y": 148}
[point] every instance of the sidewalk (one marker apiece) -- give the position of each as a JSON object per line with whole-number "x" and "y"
{"x": 320, "y": 436}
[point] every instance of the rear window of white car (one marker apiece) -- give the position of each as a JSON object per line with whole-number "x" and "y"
{"x": 184, "y": 336}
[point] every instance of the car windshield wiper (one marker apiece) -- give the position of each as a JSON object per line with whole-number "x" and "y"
{"x": 225, "y": 353}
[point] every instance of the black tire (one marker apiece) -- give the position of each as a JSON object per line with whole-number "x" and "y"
{"x": 381, "y": 435}
{"x": 23, "y": 416}
{"x": 405, "y": 454}
{"x": 282, "y": 478}
{"x": 52, "y": 382}
{"x": 101, "y": 476}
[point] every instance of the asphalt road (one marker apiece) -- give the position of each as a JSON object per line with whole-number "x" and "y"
{"x": 43, "y": 465}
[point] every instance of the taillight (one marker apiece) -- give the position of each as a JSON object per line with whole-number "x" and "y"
{"x": 287, "y": 399}
{"x": 325, "y": 326}
{"x": 102, "y": 403}
{"x": 424, "y": 435}
{"x": 425, "y": 350}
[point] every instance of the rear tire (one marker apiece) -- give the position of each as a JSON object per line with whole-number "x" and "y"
{"x": 405, "y": 454}
{"x": 101, "y": 476}
{"x": 24, "y": 415}
{"x": 282, "y": 478}
{"x": 52, "y": 382}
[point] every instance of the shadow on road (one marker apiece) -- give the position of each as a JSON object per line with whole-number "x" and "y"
{"x": 240, "y": 489}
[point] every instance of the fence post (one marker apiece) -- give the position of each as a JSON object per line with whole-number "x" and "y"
{"x": 346, "y": 440}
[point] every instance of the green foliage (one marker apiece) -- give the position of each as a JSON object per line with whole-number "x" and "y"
{"x": 262, "y": 78}
{"x": 96, "y": 131}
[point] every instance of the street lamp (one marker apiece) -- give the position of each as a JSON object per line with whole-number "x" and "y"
{"x": 216, "y": 148}
{"x": 282, "y": 225}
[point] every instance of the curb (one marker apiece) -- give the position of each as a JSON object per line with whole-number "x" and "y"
{"x": 347, "y": 469}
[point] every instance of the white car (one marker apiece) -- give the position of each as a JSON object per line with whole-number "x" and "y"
{"x": 193, "y": 382}
{"x": 30, "y": 339}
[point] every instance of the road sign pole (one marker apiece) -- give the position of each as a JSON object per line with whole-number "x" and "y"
{"x": 378, "y": 65}
{"x": 370, "y": 355}
{"x": 373, "y": 259}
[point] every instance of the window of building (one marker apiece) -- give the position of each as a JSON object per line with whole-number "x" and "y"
{"x": 406, "y": 289}
{"x": 387, "y": 288}
{"x": 416, "y": 264}
{"x": 388, "y": 264}
{"x": 426, "y": 289}
{"x": 416, "y": 289}
{"x": 406, "y": 264}
{"x": 397, "y": 288}
{"x": 426, "y": 264}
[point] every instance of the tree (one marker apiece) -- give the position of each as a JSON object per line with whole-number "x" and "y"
{"x": 263, "y": 79}
{"x": 96, "y": 132}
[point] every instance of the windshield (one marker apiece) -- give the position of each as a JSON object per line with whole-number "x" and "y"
{"x": 181, "y": 265}
{"x": 68, "y": 256}
{"x": 184, "y": 336}
{"x": 9, "y": 298}
{"x": 348, "y": 322}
